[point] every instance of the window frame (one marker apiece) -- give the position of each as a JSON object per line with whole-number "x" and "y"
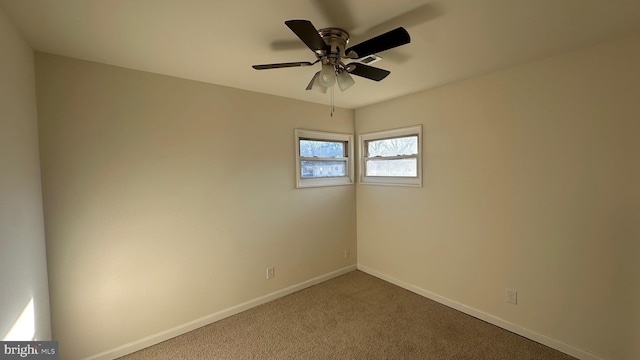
{"x": 302, "y": 134}
{"x": 363, "y": 139}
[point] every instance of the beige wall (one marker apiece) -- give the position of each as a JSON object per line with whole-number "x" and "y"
{"x": 167, "y": 199}
{"x": 530, "y": 182}
{"x": 23, "y": 267}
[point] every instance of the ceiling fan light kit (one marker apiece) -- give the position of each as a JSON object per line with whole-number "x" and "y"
{"x": 330, "y": 48}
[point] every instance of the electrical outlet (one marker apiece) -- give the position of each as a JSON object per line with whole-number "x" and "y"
{"x": 271, "y": 272}
{"x": 346, "y": 254}
{"x": 511, "y": 296}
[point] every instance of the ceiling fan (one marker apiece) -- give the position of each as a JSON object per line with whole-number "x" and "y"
{"x": 330, "y": 48}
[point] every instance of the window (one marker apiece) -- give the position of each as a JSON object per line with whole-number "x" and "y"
{"x": 323, "y": 159}
{"x": 392, "y": 157}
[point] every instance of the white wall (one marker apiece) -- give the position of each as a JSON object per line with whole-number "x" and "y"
{"x": 530, "y": 182}
{"x": 23, "y": 267}
{"x": 166, "y": 200}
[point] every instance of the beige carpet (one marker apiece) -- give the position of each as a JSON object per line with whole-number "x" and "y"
{"x": 354, "y": 316}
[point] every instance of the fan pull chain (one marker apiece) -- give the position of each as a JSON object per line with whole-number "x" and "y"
{"x": 333, "y": 108}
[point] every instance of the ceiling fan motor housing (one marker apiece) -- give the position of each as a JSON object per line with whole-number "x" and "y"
{"x": 337, "y": 40}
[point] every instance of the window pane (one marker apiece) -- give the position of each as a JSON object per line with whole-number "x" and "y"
{"x": 327, "y": 149}
{"x": 391, "y": 147}
{"x": 397, "y": 167}
{"x": 319, "y": 169}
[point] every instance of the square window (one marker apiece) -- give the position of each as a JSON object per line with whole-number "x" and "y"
{"x": 391, "y": 157}
{"x": 323, "y": 158}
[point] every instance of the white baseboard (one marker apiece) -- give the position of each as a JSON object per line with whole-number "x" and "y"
{"x": 206, "y": 320}
{"x": 530, "y": 334}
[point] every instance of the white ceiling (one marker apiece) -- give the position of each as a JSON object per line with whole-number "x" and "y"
{"x": 217, "y": 41}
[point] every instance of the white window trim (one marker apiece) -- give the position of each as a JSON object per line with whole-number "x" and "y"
{"x": 390, "y": 180}
{"x": 328, "y": 181}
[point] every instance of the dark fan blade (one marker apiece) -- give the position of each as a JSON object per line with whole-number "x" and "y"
{"x": 380, "y": 43}
{"x": 307, "y": 33}
{"x": 367, "y": 71}
{"x": 282, "y": 65}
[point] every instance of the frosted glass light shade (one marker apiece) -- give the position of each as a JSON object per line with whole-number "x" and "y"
{"x": 345, "y": 80}
{"x": 314, "y": 84}
{"x": 327, "y": 75}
